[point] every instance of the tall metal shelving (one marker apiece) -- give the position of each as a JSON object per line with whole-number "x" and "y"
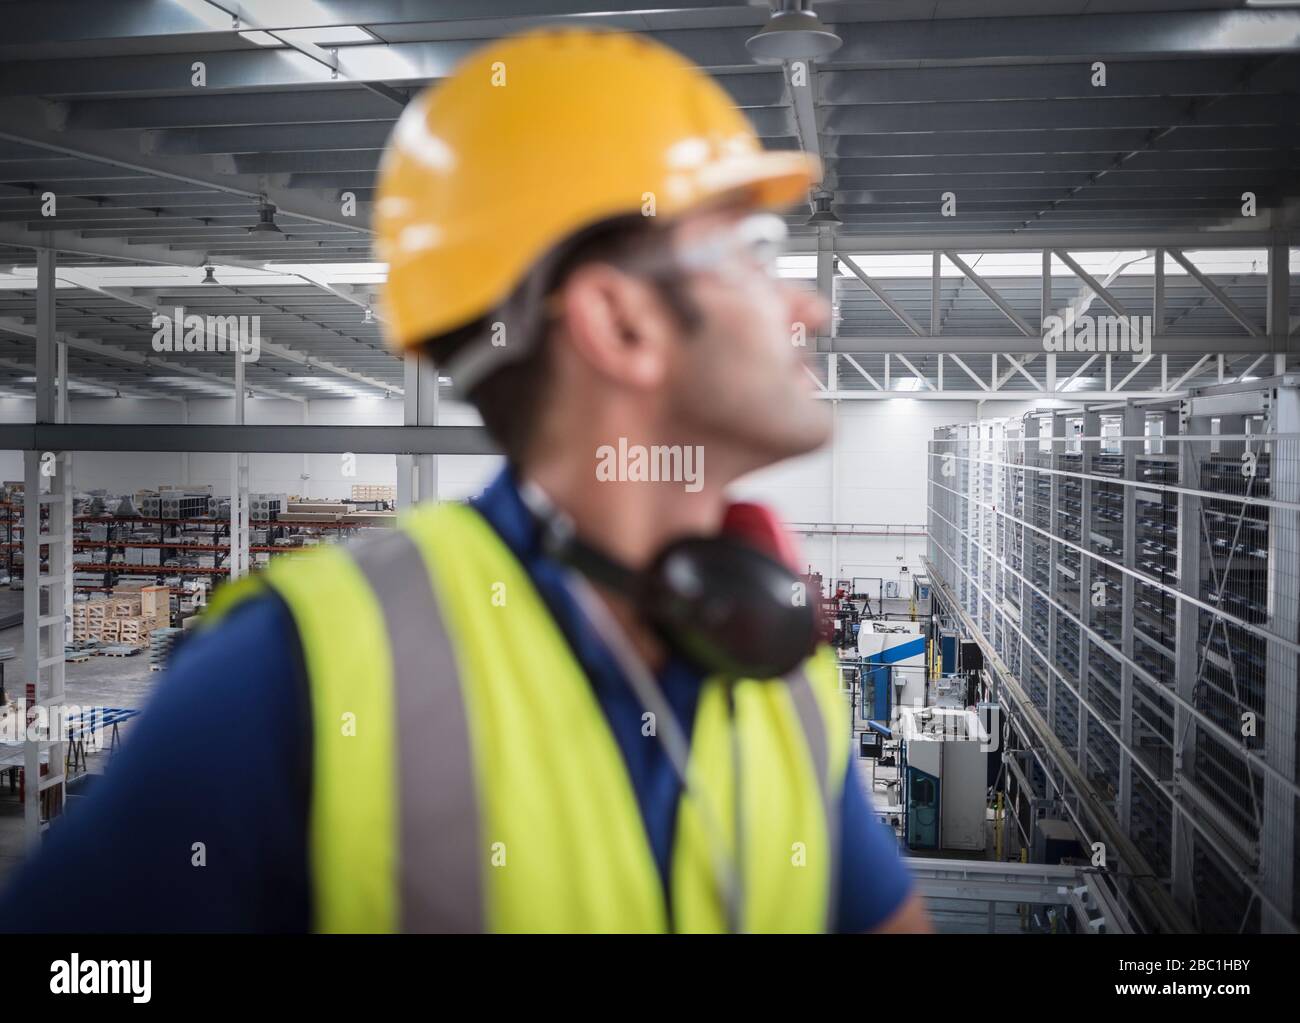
{"x": 1136, "y": 570}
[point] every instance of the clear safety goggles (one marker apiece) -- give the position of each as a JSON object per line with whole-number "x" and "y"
{"x": 753, "y": 242}
{"x": 751, "y": 245}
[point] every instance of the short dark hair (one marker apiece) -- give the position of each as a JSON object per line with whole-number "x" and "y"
{"x": 510, "y": 399}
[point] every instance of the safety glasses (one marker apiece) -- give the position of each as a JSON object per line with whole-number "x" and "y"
{"x": 754, "y": 242}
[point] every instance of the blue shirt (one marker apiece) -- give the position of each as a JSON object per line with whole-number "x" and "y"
{"x": 200, "y": 823}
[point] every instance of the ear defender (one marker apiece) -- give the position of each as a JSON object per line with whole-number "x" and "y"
{"x": 721, "y": 602}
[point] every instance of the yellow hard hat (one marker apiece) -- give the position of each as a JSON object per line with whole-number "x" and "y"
{"x": 537, "y": 136}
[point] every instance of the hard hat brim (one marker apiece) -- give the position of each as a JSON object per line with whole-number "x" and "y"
{"x": 774, "y": 179}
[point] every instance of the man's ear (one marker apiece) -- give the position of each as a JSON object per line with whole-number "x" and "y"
{"x": 618, "y": 325}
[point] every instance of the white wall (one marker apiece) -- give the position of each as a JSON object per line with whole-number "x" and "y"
{"x": 880, "y": 477}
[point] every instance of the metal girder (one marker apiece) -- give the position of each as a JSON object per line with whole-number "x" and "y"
{"x": 969, "y": 372}
{"x": 1019, "y": 367}
{"x": 267, "y": 346}
{"x": 263, "y": 138}
{"x": 1176, "y": 385}
{"x": 73, "y": 340}
{"x": 1057, "y": 142}
{"x": 142, "y": 19}
{"x": 1220, "y": 296}
{"x": 915, "y": 372}
{"x": 880, "y": 293}
{"x": 803, "y": 104}
{"x": 867, "y": 376}
{"x": 881, "y": 43}
{"x": 974, "y": 241}
{"x": 990, "y": 395}
{"x": 69, "y": 241}
{"x": 370, "y": 440}
{"x": 26, "y": 121}
{"x": 985, "y": 344}
{"x": 1188, "y": 77}
{"x": 125, "y": 390}
{"x": 1042, "y": 114}
{"x": 1094, "y": 285}
{"x": 991, "y": 293}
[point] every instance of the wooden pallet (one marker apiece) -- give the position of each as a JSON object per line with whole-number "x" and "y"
{"x": 118, "y": 650}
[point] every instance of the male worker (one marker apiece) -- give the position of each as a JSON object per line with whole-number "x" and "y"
{"x": 588, "y": 701}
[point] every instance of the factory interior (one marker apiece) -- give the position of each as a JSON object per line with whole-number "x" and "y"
{"x": 1053, "y": 539}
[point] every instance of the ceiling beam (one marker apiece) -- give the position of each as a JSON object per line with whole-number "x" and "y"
{"x": 20, "y": 325}
{"x": 1002, "y": 344}
{"x": 267, "y": 346}
{"x": 26, "y": 121}
{"x": 1074, "y": 241}
{"x": 895, "y": 43}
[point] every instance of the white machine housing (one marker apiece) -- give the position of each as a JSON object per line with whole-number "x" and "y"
{"x": 952, "y": 745}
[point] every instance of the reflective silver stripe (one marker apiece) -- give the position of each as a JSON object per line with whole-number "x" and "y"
{"x": 814, "y": 730}
{"x": 440, "y": 859}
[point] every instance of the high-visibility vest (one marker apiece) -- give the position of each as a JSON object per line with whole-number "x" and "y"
{"x": 465, "y": 778}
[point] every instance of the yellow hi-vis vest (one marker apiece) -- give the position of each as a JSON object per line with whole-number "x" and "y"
{"x": 465, "y": 778}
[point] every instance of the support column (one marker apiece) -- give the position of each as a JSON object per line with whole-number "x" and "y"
{"x": 936, "y": 291}
{"x": 47, "y": 594}
{"x": 239, "y": 517}
{"x": 417, "y": 475}
{"x": 826, "y": 288}
{"x": 1279, "y": 303}
{"x": 185, "y": 455}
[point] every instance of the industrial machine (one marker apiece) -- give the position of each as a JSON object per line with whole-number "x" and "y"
{"x": 893, "y": 667}
{"x": 945, "y": 778}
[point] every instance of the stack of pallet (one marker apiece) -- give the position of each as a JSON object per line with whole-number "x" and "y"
{"x": 161, "y": 642}
{"x": 367, "y": 492}
{"x": 127, "y": 617}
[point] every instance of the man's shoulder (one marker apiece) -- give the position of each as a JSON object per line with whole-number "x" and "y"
{"x": 258, "y": 632}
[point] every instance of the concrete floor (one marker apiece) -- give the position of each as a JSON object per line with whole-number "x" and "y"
{"x": 98, "y": 682}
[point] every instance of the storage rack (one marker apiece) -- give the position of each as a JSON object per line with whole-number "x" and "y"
{"x": 1138, "y": 574}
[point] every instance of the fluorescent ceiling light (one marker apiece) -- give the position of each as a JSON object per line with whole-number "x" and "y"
{"x": 331, "y": 35}
{"x": 335, "y": 387}
{"x": 1080, "y": 384}
{"x": 908, "y": 384}
{"x": 204, "y": 387}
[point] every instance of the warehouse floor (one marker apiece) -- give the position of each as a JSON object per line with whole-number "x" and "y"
{"x": 98, "y": 682}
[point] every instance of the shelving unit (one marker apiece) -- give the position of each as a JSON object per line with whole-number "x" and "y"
{"x": 1139, "y": 577}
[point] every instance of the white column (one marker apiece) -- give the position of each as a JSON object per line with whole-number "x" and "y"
{"x": 47, "y": 483}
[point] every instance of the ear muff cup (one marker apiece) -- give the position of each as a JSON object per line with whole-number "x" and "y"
{"x": 728, "y": 607}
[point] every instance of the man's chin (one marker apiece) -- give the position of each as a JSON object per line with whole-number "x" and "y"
{"x": 801, "y": 438}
